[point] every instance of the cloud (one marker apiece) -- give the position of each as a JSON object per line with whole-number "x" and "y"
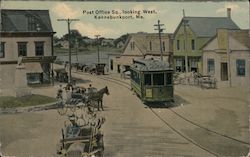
{"x": 90, "y": 30}
{"x": 233, "y": 6}
{"x": 63, "y": 10}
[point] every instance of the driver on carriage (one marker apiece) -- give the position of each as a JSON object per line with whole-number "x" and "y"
{"x": 91, "y": 89}
{"x": 73, "y": 129}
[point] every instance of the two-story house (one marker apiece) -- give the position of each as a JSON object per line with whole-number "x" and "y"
{"x": 27, "y": 38}
{"x": 192, "y": 34}
{"x": 143, "y": 45}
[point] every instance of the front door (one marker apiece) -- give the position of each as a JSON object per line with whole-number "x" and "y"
{"x": 224, "y": 72}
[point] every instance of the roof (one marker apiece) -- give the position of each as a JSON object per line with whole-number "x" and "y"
{"x": 242, "y": 36}
{"x": 207, "y": 26}
{"x": 25, "y": 21}
{"x": 150, "y": 65}
{"x": 141, "y": 42}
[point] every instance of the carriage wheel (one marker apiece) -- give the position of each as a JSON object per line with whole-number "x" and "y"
{"x": 61, "y": 109}
{"x": 100, "y": 145}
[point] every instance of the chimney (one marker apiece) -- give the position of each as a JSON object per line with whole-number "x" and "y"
{"x": 229, "y": 13}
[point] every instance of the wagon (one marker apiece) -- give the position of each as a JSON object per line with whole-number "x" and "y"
{"x": 76, "y": 99}
{"x": 61, "y": 75}
{"x": 100, "y": 68}
{"x": 81, "y": 141}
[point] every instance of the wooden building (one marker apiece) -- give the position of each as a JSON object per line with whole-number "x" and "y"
{"x": 227, "y": 57}
{"x": 143, "y": 45}
{"x": 27, "y": 42}
{"x": 192, "y": 34}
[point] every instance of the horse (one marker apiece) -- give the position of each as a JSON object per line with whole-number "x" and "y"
{"x": 98, "y": 96}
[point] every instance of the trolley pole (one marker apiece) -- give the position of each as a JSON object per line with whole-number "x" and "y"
{"x": 160, "y": 30}
{"x": 98, "y": 54}
{"x": 68, "y": 22}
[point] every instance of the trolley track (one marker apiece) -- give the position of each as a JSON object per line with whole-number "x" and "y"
{"x": 127, "y": 86}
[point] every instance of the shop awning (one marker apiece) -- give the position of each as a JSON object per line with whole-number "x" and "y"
{"x": 33, "y": 68}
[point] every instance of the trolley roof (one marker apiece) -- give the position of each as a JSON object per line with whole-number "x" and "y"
{"x": 150, "y": 65}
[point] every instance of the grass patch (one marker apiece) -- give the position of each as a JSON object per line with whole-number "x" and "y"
{"x": 32, "y": 100}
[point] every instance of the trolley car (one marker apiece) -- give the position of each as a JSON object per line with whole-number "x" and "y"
{"x": 152, "y": 80}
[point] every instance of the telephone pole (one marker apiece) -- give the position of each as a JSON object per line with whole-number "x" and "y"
{"x": 68, "y": 22}
{"x": 160, "y": 30}
{"x": 98, "y": 55}
{"x": 185, "y": 24}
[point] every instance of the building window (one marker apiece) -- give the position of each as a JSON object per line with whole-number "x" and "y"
{"x": 179, "y": 63}
{"x": 178, "y": 45}
{"x": 150, "y": 46}
{"x": 193, "y": 44}
{"x": 22, "y": 48}
{"x": 34, "y": 78}
{"x": 210, "y": 67}
{"x": 2, "y": 50}
{"x": 132, "y": 45}
{"x": 163, "y": 46}
{"x": 194, "y": 65}
{"x": 240, "y": 66}
{"x": 39, "y": 48}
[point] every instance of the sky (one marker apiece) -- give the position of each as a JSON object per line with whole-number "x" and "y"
{"x": 169, "y": 14}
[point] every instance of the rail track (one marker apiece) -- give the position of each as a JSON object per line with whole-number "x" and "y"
{"x": 127, "y": 86}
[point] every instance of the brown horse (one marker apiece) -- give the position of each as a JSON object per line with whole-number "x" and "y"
{"x": 98, "y": 96}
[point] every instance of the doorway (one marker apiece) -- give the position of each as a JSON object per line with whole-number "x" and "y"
{"x": 224, "y": 72}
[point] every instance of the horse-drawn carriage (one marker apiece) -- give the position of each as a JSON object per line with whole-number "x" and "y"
{"x": 61, "y": 75}
{"x": 82, "y": 139}
{"x": 79, "y": 97}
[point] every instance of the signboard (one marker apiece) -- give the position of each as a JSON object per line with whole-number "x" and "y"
{"x": 149, "y": 93}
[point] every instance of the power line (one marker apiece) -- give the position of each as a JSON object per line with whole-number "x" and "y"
{"x": 68, "y": 22}
{"x": 160, "y": 30}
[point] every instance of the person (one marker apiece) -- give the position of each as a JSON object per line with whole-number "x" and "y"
{"x": 91, "y": 89}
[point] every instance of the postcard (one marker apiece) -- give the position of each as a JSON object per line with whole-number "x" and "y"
{"x": 124, "y": 78}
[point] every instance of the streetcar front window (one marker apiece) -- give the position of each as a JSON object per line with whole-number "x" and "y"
{"x": 158, "y": 79}
{"x": 147, "y": 79}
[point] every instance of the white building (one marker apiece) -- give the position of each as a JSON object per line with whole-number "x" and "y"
{"x": 227, "y": 58}
{"x": 27, "y": 37}
{"x": 144, "y": 45}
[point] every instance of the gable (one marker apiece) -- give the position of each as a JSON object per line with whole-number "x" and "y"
{"x": 236, "y": 45}
{"x": 211, "y": 45}
{"x": 233, "y": 45}
{"x": 130, "y": 51}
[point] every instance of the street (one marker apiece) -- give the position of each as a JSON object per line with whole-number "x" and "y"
{"x": 133, "y": 129}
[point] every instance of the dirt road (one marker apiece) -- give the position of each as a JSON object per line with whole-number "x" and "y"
{"x": 132, "y": 130}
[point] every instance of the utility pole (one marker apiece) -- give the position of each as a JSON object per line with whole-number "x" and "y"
{"x": 68, "y": 22}
{"x": 160, "y": 30}
{"x": 98, "y": 55}
{"x": 185, "y": 24}
{"x": 76, "y": 46}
